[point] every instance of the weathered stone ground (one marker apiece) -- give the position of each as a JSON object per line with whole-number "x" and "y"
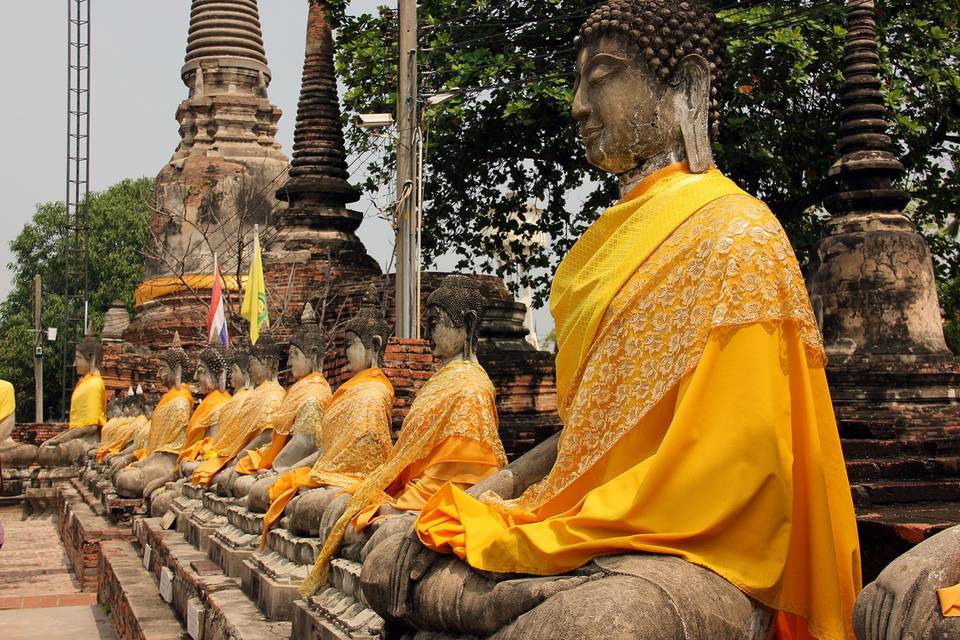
{"x": 39, "y": 597}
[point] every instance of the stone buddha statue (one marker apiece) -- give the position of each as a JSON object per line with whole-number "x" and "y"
{"x": 149, "y": 466}
{"x": 697, "y": 489}
{"x": 250, "y": 429}
{"x": 449, "y": 437}
{"x": 211, "y": 379}
{"x": 118, "y": 437}
{"x": 354, "y": 437}
{"x": 12, "y": 453}
{"x": 88, "y": 404}
{"x": 916, "y": 596}
{"x": 226, "y": 420}
{"x": 295, "y": 425}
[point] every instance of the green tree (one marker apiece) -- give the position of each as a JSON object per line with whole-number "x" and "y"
{"x": 119, "y": 231}
{"x": 509, "y": 140}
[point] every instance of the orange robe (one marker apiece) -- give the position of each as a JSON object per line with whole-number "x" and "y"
{"x": 449, "y": 436}
{"x": 697, "y": 419}
{"x": 168, "y": 423}
{"x": 204, "y": 416}
{"x": 88, "y": 402}
{"x": 120, "y": 437}
{"x": 226, "y": 417}
{"x": 256, "y": 416}
{"x": 354, "y": 439}
{"x": 301, "y": 412}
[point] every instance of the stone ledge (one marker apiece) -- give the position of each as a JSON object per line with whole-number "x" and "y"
{"x": 82, "y": 532}
{"x": 136, "y": 608}
{"x": 231, "y": 616}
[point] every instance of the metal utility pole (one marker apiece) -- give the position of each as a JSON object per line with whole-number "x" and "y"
{"x": 408, "y": 252}
{"x": 78, "y": 187}
{"x": 37, "y": 351}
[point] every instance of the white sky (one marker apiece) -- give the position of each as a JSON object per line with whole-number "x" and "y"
{"x": 137, "y": 50}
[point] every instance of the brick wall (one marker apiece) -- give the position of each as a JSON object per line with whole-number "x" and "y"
{"x": 33, "y": 433}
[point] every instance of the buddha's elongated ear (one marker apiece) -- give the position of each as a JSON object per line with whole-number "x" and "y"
{"x": 470, "y": 325}
{"x": 376, "y": 342}
{"x": 692, "y": 104}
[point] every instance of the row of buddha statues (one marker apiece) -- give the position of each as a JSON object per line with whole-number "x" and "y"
{"x": 697, "y": 489}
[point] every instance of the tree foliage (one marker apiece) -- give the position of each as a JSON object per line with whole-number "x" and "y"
{"x": 509, "y": 140}
{"x": 119, "y": 231}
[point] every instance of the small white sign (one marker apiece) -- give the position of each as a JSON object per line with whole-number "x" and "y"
{"x": 194, "y": 619}
{"x": 147, "y": 553}
{"x": 166, "y": 584}
{"x": 168, "y": 519}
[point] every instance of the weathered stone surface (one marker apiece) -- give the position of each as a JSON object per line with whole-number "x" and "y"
{"x": 904, "y": 597}
{"x": 130, "y": 592}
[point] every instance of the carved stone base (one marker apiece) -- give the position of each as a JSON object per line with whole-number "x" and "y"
{"x": 229, "y": 547}
{"x": 333, "y": 615}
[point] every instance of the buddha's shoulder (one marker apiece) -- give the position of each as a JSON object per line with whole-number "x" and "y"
{"x": 738, "y": 220}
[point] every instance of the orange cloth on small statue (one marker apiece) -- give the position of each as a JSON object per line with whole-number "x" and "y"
{"x": 229, "y": 414}
{"x": 457, "y": 460}
{"x": 950, "y": 601}
{"x": 123, "y": 435}
{"x": 88, "y": 402}
{"x": 256, "y": 417}
{"x": 202, "y": 419}
{"x": 354, "y": 438}
{"x": 262, "y": 457}
{"x": 168, "y": 423}
{"x": 300, "y": 412}
{"x": 453, "y": 415}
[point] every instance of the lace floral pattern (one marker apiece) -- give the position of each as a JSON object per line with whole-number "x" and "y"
{"x": 355, "y": 438}
{"x": 302, "y": 408}
{"x": 168, "y": 424}
{"x": 728, "y": 265}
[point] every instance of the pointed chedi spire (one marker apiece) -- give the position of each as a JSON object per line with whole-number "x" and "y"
{"x": 873, "y": 285}
{"x": 317, "y": 188}
{"x": 221, "y": 28}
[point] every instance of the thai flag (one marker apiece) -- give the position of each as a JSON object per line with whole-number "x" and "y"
{"x": 217, "y": 319}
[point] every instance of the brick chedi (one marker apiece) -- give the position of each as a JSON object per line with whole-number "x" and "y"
{"x": 221, "y": 178}
{"x": 893, "y": 379}
{"x": 314, "y": 254}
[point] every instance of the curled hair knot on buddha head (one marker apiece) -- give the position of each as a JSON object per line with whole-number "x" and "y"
{"x": 175, "y": 356}
{"x": 214, "y": 358}
{"x": 663, "y": 33}
{"x": 369, "y": 324}
{"x": 309, "y": 338}
{"x": 91, "y": 349}
{"x": 459, "y": 297}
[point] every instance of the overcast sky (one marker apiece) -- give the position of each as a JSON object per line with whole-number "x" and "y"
{"x": 138, "y": 48}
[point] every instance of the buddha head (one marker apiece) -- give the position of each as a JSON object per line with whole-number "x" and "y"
{"x": 306, "y": 346}
{"x": 365, "y": 337}
{"x": 453, "y": 315}
{"x": 240, "y": 366}
{"x": 89, "y": 353}
{"x": 173, "y": 362}
{"x": 115, "y": 407}
{"x": 264, "y": 360}
{"x": 211, "y": 374}
{"x": 646, "y": 84}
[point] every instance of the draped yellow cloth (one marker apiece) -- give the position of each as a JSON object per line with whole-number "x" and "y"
{"x": 301, "y": 412}
{"x": 698, "y": 424}
{"x": 88, "y": 402}
{"x": 354, "y": 439}
{"x": 8, "y": 400}
{"x": 256, "y": 415}
{"x": 450, "y": 434}
{"x": 203, "y": 416}
{"x": 112, "y": 433}
{"x": 122, "y": 436}
{"x": 168, "y": 422}
{"x": 228, "y": 414}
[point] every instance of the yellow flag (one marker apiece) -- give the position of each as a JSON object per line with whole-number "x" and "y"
{"x": 254, "y": 307}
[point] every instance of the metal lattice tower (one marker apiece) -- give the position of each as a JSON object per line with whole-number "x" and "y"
{"x": 75, "y": 257}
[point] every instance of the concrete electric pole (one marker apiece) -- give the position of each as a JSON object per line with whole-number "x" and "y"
{"x": 408, "y": 250}
{"x": 37, "y": 350}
